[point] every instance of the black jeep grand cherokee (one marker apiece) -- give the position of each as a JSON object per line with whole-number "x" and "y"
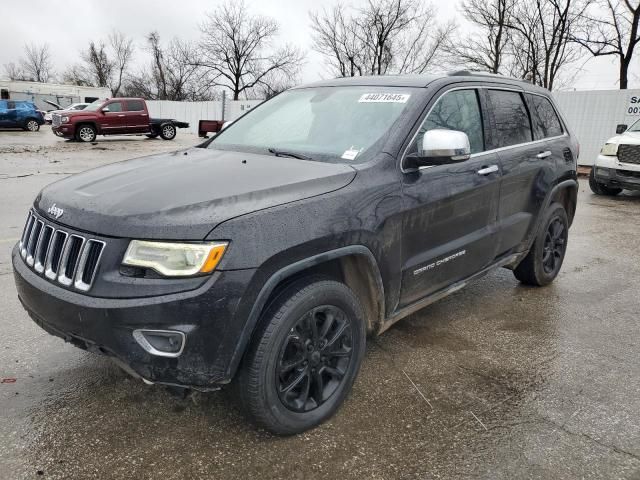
{"x": 264, "y": 258}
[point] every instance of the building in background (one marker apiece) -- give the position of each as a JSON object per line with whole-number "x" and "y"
{"x": 63, "y": 95}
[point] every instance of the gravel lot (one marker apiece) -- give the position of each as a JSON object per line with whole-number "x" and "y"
{"x": 497, "y": 381}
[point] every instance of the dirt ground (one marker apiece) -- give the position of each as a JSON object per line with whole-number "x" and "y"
{"x": 498, "y": 381}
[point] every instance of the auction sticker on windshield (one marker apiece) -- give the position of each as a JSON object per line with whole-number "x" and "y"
{"x": 384, "y": 98}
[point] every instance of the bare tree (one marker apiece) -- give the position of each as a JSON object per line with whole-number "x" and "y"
{"x": 237, "y": 49}
{"x": 36, "y": 63}
{"x": 385, "y": 36}
{"x": 544, "y": 32}
{"x": 14, "y": 71}
{"x": 336, "y": 37}
{"x": 173, "y": 73}
{"x": 122, "y": 48}
{"x": 486, "y": 49}
{"x": 614, "y": 35}
{"x": 103, "y": 64}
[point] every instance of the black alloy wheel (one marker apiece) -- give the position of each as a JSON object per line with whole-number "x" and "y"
{"x": 314, "y": 358}
{"x": 544, "y": 259}
{"x": 555, "y": 243}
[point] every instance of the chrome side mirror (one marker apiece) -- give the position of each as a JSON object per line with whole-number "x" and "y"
{"x": 440, "y": 147}
{"x": 105, "y": 110}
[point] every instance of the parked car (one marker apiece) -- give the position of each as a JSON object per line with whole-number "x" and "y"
{"x": 618, "y": 165}
{"x": 71, "y": 108}
{"x": 263, "y": 258}
{"x": 116, "y": 116}
{"x": 20, "y": 114}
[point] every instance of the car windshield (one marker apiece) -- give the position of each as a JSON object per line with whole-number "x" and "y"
{"x": 635, "y": 127}
{"x": 95, "y": 106}
{"x": 324, "y": 123}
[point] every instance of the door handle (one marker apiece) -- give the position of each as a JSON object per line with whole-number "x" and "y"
{"x": 488, "y": 170}
{"x": 542, "y": 155}
{"x": 121, "y": 115}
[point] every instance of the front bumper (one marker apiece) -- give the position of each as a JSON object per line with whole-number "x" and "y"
{"x": 611, "y": 173}
{"x": 65, "y": 130}
{"x": 208, "y": 317}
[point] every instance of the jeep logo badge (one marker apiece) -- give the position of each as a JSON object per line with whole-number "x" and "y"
{"x": 55, "y": 211}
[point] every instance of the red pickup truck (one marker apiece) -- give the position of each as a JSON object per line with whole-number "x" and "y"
{"x": 114, "y": 116}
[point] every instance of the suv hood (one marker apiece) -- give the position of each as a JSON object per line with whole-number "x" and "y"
{"x": 184, "y": 195}
{"x": 626, "y": 138}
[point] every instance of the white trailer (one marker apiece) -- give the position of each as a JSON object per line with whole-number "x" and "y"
{"x": 63, "y": 95}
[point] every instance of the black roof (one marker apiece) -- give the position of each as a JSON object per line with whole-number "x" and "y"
{"x": 422, "y": 80}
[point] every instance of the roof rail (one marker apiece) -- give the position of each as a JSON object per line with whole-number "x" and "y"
{"x": 473, "y": 73}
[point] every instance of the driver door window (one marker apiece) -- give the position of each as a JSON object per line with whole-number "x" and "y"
{"x": 457, "y": 110}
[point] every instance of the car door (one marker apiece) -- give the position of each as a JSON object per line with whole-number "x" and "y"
{"x": 137, "y": 118}
{"x": 450, "y": 211}
{"x": 113, "y": 121}
{"x": 527, "y": 168}
{"x": 3, "y": 113}
{"x": 547, "y": 126}
{"x": 11, "y": 115}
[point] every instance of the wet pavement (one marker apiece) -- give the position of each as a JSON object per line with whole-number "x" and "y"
{"x": 498, "y": 381}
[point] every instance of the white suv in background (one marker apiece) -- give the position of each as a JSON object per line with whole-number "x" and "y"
{"x": 618, "y": 165}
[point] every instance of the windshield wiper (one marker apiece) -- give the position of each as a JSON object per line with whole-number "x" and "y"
{"x": 284, "y": 153}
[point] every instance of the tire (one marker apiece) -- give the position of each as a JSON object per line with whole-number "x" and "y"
{"x": 31, "y": 125}
{"x": 600, "y": 189}
{"x": 320, "y": 369}
{"x": 86, "y": 133}
{"x": 544, "y": 260}
{"x": 168, "y": 131}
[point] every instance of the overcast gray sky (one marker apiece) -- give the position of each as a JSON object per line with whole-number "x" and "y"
{"x": 68, "y": 26}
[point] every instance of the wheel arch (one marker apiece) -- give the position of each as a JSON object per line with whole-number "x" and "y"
{"x": 566, "y": 194}
{"x": 354, "y": 265}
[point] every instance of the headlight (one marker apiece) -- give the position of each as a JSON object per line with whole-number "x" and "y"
{"x": 64, "y": 119}
{"x": 609, "y": 150}
{"x": 175, "y": 259}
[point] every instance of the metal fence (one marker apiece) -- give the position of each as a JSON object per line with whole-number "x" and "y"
{"x": 193, "y": 112}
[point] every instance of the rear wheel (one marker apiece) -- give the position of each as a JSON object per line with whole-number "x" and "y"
{"x": 32, "y": 125}
{"x": 168, "y": 132}
{"x": 600, "y": 189}
{"x": 86, "y": 133}
{"x": 304, "y": 358}
{"x": 543, "y": 262}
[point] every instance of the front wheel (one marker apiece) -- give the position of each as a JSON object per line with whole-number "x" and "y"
{"x": 168, "y": 132}
{"x": 86, "y": 133}
{"x": 32, "y": 125}
{"x": 304, "y": 358}
{"x": 542, "y": 264}
{"x": 600, "y": 189}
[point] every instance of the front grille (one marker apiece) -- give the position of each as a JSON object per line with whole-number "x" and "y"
{"x": 56, "y": 120}
{"x": 629, "y": 153}
{"x": 67, "y": 258}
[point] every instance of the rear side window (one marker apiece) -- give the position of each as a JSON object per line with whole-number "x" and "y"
{"x": 511, "y": 117}
{"x": 544, "y": 117}
{"x": 135, "y": 106}
{"x": 115, "y": 107}
{"x": 458, "y": 110}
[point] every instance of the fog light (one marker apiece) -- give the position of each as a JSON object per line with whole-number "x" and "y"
{"x": 162, "y": 343}
{"x": 602, "y": 172}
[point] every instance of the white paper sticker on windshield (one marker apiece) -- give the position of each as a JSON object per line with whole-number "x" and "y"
{"x": 350, "y": 154}
{"x": 384, "y": 98}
